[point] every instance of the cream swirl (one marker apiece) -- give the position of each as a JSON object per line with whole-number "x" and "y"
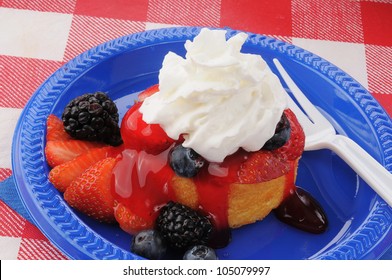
{"x": 218, "y": 98}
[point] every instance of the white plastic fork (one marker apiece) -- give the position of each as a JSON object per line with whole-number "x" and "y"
{"x": 320, "y": 134}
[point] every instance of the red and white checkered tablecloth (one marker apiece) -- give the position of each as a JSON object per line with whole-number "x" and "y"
{"x": 38, "y": 36}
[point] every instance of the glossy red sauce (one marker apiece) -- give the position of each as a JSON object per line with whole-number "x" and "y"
{"x": 141, "y": 182}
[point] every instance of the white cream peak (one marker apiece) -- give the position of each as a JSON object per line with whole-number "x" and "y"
{"x": 217, "y": 97}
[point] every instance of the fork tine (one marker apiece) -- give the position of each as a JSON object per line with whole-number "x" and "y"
{"x": 301, "y": 116}
{"x": 311, "y": 111}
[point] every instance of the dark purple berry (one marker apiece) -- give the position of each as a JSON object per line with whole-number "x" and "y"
{"x": 92, "y": 117}
{"x": 149, "y": 244}
{"x": 281, "y": 136}
{"x": 182, "y": 227}
{"x": 200, "y": 252}
{"x": 185, "y": 161}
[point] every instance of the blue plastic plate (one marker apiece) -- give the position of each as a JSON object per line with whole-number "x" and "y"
{"x": 359, "y": 220}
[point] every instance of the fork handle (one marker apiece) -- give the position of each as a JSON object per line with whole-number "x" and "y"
{"x": 370, "y": 170}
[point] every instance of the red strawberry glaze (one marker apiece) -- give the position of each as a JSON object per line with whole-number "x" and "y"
{"x": 140, "y": 182}
{"x": 212, "y": 183}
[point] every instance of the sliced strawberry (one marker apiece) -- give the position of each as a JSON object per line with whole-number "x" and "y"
{"x": 262, "y": 166}
{"x": 294, "y": 147}
{"x": 148, "y": 92}
{"x": 59, "y": 152}
{"x": 129, "y": 221}
{"x": 55, "y": 129}
{"x": 62, "y": 175}
{"x": 90, "y": 193}
{"x": 139, "y": 135}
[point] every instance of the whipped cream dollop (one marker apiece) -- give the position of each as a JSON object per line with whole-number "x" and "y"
{"x": 218, "y": 98}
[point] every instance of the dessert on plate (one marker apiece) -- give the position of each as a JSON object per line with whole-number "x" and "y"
{"x": 210, "y": 148}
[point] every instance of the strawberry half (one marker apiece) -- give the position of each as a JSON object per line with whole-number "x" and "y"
{"x": 91, "y": 194}
{"x": 130, "y": 222}
{"x": 59, "y": 152}
{"x": 262, "y": 166}
{"x": 62, "y": 175}
{"x": 55, "y": 129}
{"x": 294, "y": 147}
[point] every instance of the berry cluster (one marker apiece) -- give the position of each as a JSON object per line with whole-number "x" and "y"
{"x": 178, "y": 230}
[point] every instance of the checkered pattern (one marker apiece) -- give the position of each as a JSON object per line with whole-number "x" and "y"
{"x": 21, "y": 240}
{"x": 38, "y": 36}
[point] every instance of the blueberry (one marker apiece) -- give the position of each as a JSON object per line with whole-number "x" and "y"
{"x": 200, "y": 252}
{"x": 281, "y": 136}
{"x": 149, "y": 244}
{"x": 185, "y": 161}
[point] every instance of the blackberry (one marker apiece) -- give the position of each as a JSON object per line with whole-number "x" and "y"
{"x": 182, "y": 227}
{"x": 92, "y": 117}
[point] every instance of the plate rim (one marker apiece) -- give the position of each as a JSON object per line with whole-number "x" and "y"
{"x": 90, "y": 244}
